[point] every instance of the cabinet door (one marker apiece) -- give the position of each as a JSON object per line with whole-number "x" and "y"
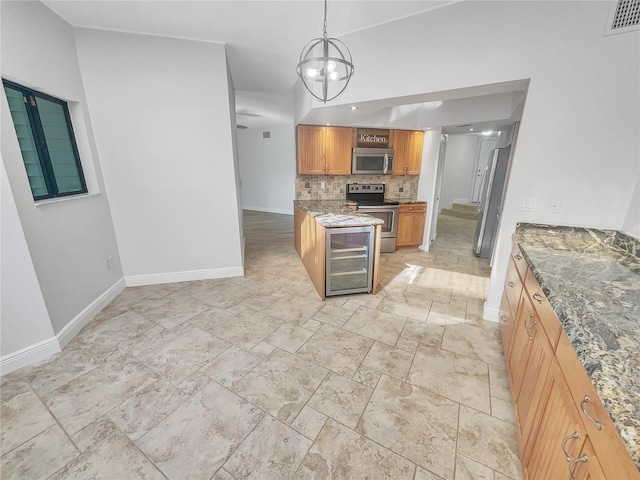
{"x": 520, "y": 345}
{"x": 586, "y": 466}
{"x": 411, "y": 225}
{"x": 338, "y": 145}
{"x": 559, "y": 432}
{"x": 413, "y": 160}
{"x": 507, "y": 322}
{"x": 399, "y": 145}
{"x": 310, "y": 150}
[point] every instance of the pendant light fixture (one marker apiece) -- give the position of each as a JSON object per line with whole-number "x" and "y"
{"x": 325, "y": 66}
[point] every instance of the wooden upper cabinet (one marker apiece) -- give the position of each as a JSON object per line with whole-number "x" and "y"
{"x": 407, "y": 146}
{"x": 338, "y": 145}
{"x": 324, "y": 150}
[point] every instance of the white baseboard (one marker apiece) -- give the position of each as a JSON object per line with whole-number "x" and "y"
{"x": 72, "y": 328}
{"x": 173, "y": 277}
{"x": 268, "y": 209}
{"x": 490, "y": 314}
{"x": 43, "y": 350}
{"x": 36, "y": 353}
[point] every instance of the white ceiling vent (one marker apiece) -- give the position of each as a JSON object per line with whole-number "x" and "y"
{"x": 623, "y": 17}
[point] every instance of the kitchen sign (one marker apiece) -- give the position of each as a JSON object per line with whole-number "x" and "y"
{"x": 370, "y": 137}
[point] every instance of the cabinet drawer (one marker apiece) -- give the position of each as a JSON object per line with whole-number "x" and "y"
{"x": 519, "y": 261}
{"x": 548, "y": 317}
{"x": 513, "y": 288}
{"x": 614, "y": 459}
{"x": 413, "y": 207}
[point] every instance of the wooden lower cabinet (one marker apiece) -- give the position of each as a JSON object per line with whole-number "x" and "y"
{"x": 411, "y": 220}
{"x": 558, "y": 428}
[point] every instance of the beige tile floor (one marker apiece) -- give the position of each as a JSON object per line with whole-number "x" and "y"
{"x": 256, "y": 377}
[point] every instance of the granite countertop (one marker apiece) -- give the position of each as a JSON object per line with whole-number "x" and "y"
{"x": 335, "y": 213}
{"x": 592, "y": 280}
{"x": 403, "y": 201}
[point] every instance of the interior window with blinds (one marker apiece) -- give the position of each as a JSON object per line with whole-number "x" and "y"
{"x": 47, "y": 143}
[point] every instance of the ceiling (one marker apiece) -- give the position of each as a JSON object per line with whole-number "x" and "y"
{"x": 264, "y": 39}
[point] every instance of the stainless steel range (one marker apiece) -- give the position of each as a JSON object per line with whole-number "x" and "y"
{"x": 370, "y": 200}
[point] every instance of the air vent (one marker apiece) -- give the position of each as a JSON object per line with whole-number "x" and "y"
{"x": 241, "y": 127}
{"x": 266, "y": 134}
{"x": 624, "y": 17}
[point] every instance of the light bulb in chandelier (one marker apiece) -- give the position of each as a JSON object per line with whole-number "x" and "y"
{"x": 325, "y": 66}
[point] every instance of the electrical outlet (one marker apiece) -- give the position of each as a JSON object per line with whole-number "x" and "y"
{"x": 109, "y": 262}
{"x": 527, "y": 204}
{"x": 322, "y": 184}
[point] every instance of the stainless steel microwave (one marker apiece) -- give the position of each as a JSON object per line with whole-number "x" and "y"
{"x": 372, "y": 161}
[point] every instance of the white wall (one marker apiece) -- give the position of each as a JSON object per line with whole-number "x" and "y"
{"x": 631, "y": 224}
{"x": 459, "y": 168}
{"x": 161, "y": 112}
{"x": 427, "y": 185}
{"x": 25, "y": 320}
{"x": 268, "y": 168}
{"x": 68, "y": 240}
{"x": 580, "y": 79}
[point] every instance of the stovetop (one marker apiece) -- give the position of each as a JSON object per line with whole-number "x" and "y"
{"x": 367, "y": 194}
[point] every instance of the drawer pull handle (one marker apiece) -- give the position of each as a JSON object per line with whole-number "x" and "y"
{"x": 511, "y": 284}
{"x": 586, "y": 399}
{"x": 564, "y": 443}
{"x": 583, "y": 458}
{"x": 537, "y": 297}
{"x": 517, "y": 256}
{"x": 504, "y": 318}
{"x": 529, "y": 326}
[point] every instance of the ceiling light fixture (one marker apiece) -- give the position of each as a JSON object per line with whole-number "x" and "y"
{"x": 325, "y": 66}
{"x": 353, "y": 107}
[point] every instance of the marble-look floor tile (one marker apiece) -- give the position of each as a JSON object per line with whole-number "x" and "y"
{"x": 88, "y": 397}
{"x": 195, "y": 382}
{"x": 147, "y": 408}
{"x": 336, "y": 350}
{"x": 229, "y": 367}
{"x": 389, "y": 360}
{"x": 309, "y": 422}
{"x": 213, "y": 320}
{"x": 339, "y": 452}
{"x": 313, "y": 325}
{"x": 263, "y": 349}
{"x": 113, "y": 457}
{"x": 248, "y": 328}
{"x": 423, "y": 332}
{"x": 489, "y": 440}
{"x": 446, "y": 314}
{"x": 474, "y": 342}
{"x": 377, "y": 325}
{"x": 177, "y": 356}
{"x": 453, "y": 376}
{"x": 222, "y": 474}
{"x": 499, "y": 382}
{"x": 333, "y": 315}
{"x": 407, "y": 344}
{"x": 406, "y": 305}
{"x": 281, "y": 384}
{"x": 39, "y": 457}
{"x": 224, "y": 295}
{"x": 93, "y": 433}
{"x": 468, "y": 469}
{"x": 62, "y": 368}
{"x": 413, "y": 422}
{"x": 503, "y": 410}
{"x": 341, "y": 398}
{"x": 289, "y": 337}
{"x": 272, "y": 450}
{"x": 171, "y": 314}
{"x": 22, "y": 415}
{"x": 362, "y": 300}
{"x": 256, "y": 302}
{"x": 294, "y": 309}
{"x": 424, "y": 474}
{"x": 205, "y": 429}
{"x": 367, "y": 376}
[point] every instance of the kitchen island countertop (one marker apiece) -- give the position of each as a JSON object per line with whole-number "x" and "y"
{"x": 592, "y": 280}
{"x": 335, "y": 213}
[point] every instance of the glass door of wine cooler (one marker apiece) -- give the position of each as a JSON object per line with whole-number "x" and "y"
{"x": 349, "y": 260}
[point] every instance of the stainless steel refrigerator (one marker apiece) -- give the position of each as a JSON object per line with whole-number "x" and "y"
{"x": 490, "y": 202}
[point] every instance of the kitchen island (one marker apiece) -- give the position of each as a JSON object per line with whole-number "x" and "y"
{"x": 311, "y": 221}
{"x": 590, "y": 281}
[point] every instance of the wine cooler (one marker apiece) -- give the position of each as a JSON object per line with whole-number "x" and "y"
{"x": 349, "y": 260}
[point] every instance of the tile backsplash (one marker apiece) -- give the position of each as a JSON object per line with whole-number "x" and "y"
{"x": 308, "y": 187}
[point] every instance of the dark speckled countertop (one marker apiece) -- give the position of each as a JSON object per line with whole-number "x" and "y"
{"x": 592, "y": 280}
{"x": 335, "y": 213}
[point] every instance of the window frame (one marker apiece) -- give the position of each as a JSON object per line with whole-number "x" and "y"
{"x": 39, "y": 138}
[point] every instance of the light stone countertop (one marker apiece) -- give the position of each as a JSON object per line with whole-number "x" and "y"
{"x": 335, "y": 213}
{"x": 592, "y": 280}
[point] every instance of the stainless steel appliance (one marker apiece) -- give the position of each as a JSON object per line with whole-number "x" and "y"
{"x": 370, "y": 200}
{"x": 349, "y": 260}
{"x": 491, "y": 202}
{"x": 372, "y": 161}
